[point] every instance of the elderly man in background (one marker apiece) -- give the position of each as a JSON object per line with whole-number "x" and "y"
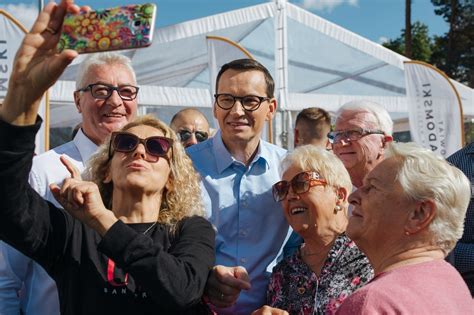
{"x": 191, "y": 126}
{"x": 105, "y": 97}
{"x": 312, "y": 126}
{"x": 407, "y": 216}
{"x": 463, "y": 253}
{"x": 362, "y": 131}
{"x": 238, "y": 170}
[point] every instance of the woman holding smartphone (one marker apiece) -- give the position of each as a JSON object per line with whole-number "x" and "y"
{"x": 132, "y": 241}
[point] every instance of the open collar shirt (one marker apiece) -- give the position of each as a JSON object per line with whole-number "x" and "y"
{"x": 238, "y": 199}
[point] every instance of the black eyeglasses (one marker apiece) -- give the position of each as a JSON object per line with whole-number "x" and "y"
{"x": 249, "y": 102}
{"x": 300, "y": 184}
{"x": 127, "y": 142}
{"x": 351, "y": 134}
{"x": 104, "y": 91}
{"x": 185, "y": 135}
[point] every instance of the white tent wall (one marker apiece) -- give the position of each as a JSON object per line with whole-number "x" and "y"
{"x": 314, "y": 63}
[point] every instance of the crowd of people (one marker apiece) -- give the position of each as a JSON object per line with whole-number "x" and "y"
{"x": 133, "y": 216}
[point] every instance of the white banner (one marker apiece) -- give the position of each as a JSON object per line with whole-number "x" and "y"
{"x": 11, "y": 35}
{"x": 434, "y": 109}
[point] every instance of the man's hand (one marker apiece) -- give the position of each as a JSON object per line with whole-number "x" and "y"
{"x": 267, "y": 310}
{"x": 225, "y": 283}
{"x": 37, "y": 65}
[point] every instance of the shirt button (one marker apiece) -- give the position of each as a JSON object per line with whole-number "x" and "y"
{"x": 243, "y": 260}
{"x": 243, "y": 233}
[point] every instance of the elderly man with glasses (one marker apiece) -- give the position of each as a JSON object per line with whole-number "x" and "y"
{"x": 106, "y": 99}
{"x": 360, "y": 136}
{"x": 191, "y": 126}
{"x": 238, "y": 169}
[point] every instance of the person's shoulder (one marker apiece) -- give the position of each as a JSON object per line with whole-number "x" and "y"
{"x": 273, "y": 149}
{"x": 196, "y": 226}
{"x": 47, "y": 167}
{"x": 199, "y": 148}
{"x": 195, "y": 221}
{"x": 46, "y": 157}
{"x": 364, "y": 300}
{"x": 462, "y": 154}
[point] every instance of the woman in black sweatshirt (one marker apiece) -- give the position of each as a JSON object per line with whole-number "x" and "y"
{"x": 132, "y": 240}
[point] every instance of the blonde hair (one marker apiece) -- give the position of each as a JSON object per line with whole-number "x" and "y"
{"x": 424, "y": 175}
{"x": 313, "y": 158}
{"x": 181, "y": 199}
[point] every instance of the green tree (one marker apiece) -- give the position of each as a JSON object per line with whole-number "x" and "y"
{"x": 421, "y": 43}
{"x": 453, "y": 52}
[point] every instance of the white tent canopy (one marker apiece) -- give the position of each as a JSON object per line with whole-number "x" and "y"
{"x": 314, "y": 63}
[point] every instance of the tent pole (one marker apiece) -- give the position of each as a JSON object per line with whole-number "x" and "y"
{"x": 281, "y": 59}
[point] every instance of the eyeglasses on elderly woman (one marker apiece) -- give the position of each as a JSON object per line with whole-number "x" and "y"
{"x": 127, "y": 142}
{"x": 300, "y": 184}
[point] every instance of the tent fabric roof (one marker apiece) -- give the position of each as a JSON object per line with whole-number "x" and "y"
{"x": 327, "y": 65}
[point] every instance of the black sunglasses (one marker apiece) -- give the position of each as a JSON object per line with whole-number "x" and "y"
{"x": 185, "y": 135}
{"x": 300, "y": 184}
{"x": 127, "y": 142}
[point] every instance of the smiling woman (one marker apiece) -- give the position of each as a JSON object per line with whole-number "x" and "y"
{"x": 328, "y": 267}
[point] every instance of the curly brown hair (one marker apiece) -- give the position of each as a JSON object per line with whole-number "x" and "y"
{"x": 181, "y": 199}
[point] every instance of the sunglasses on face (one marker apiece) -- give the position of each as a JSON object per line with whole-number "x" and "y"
{"x": 127, "y": 142}
{"x": 185, "y": 135}
{"x": 300, "y": 184}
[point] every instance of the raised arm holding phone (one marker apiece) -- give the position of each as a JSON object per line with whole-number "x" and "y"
{"x": 151, "y": 252}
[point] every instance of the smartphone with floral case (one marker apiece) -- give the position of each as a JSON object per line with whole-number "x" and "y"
{"x": 125, "y": 27}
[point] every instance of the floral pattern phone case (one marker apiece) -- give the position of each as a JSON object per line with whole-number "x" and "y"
{"x": 125, "y": 27}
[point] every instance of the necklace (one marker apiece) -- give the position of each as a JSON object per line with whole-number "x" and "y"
{"x": 150, "y": 227}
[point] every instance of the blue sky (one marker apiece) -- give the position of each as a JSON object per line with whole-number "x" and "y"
{"x": 374, "y": 19}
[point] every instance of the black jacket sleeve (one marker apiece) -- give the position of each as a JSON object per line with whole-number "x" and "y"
{"x": 30, "y": 224}
{"x": 176, "y": 278}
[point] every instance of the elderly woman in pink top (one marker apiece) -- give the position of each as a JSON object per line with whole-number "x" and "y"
{"x": 407, "y": 217}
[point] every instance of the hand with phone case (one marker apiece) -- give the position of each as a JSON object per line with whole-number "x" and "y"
{"x": 125, "y": 27}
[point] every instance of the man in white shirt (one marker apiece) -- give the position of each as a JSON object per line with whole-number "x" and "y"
{"x": 362, "y": 131}
{"x": 105, "y": 96}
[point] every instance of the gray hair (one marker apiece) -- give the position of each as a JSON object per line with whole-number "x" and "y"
{"x": 99, "y": 59}
{"x": 313, "y": 158}
{"x": 424, "y": 175}
{"x": 381, "y": 115}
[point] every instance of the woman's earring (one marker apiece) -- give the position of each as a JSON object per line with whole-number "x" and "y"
{"x": 337, "y": 208}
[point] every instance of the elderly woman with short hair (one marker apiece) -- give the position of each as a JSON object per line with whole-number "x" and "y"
{"x": 407, "y": 217}
{"x": 328, "y": 267}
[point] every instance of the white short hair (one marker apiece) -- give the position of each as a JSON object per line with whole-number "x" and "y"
{"x": 313, "y": 158}
{"x": 424, "y": 175}
{"x": 381, "y": 115}
{"x": 99, "y": 59}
